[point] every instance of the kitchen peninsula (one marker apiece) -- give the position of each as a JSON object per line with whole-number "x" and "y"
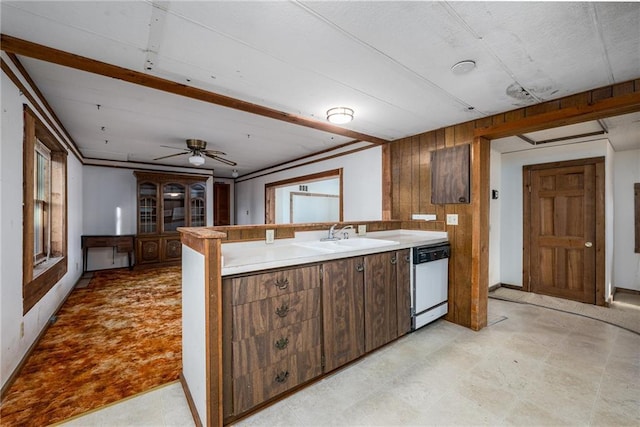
{"x": 260, "y": 320}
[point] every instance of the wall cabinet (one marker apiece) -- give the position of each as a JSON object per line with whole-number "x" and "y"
{"x": 450, "y": 175}
{"x": 166, "y": 202}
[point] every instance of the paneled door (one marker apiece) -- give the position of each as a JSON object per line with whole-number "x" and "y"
{"x": 560, "y": 227}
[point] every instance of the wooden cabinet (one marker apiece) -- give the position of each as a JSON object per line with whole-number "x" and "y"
{"x": 343, "y": 311}
{"x": 403, "y": 280}
{"x": 450, "y": 175}
{"x": 285, "y": 327}
{"x": 366, "y": 303}
{"x": 273, "y": 329}
{"x": 380, "y": 299}
{"x": 166, "y": 202}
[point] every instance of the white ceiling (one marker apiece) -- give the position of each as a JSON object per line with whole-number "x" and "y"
{"x": 389, "y": 61}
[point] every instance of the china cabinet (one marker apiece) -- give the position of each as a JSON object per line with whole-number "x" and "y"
{"x": 166, "y": 202}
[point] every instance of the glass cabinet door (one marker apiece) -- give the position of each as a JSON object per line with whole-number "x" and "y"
{"x": 198, "y": 213}
{"x": 173, "y": 198}
{"x": 147, "y": 208}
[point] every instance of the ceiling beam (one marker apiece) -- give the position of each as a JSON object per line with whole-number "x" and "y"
{"x": 44, "y": 53}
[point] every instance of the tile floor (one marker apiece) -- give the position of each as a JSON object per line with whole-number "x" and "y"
{"x": 531, "y": 366}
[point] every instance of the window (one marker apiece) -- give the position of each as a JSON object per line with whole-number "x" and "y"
{"x": 45, "y": 211}
{"x": 41, "y": 197}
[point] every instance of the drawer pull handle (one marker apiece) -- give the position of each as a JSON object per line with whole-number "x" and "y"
{"x": 282, "y": 284}
{"x": 407, "y": 258}
{"x": 282, "y": 376}
{"x": 283, "y": 310}
{"x": 359, "y": 268}
{"x": 394, "y": 260}
{"x": 282, "y": 343}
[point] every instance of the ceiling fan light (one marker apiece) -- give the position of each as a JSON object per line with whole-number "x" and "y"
{"x": 340, "y": 115}
{"x": 196, "y": 160}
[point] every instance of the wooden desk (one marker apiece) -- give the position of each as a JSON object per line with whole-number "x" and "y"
{"x": 122, "y": 243}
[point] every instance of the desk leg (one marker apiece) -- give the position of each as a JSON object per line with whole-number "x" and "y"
{"x": 84, "y": 260}
{"x": 130, "y": 264}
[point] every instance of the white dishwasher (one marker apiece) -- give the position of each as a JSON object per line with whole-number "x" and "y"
{"x": 429, "y": 283}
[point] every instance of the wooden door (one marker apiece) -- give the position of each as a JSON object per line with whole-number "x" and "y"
{"x": 343, "y": 311}
{"x": 380, "y": 300}
{"x": 561, "y": 228}
{"x": 221, "y": 203}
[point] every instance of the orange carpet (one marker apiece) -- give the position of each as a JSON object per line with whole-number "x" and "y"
{"x": 119, "y": 336}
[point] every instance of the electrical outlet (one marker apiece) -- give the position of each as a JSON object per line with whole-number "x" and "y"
{"x": 270, "y": 235}
{"x": 362, "y": 230}
{"x": 452, "y": 219}
{"x": 21, "y": 329}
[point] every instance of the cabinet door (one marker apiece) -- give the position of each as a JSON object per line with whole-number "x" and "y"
{"x": 172, "y": 249}
{"x": 197, "y": 205}
{"x": 173, "y": 206}
{"x": 147, "y": 208}
{"x": 450, "y": 182}
{"x": 343, "y": 311}
{"x": 380, "y": 315}
{"x": 148, "y": 250}
{"x": 403, "y": 277}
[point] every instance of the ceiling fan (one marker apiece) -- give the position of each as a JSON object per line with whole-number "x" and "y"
{"x": 197, "y": 148}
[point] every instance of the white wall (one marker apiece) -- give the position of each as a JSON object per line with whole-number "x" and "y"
{"x": 626, "y": 263}
{"x": 511, "y": 198}
{"x": 13, "y": 345}
{"x": 362, "y": 186}
{"x": 105, "y": 191}
{"x": 495, "y": 213}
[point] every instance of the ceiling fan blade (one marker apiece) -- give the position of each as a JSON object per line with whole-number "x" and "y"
{"x": 213, "y": 152}
{"x": 175, "y": 148}
{"x": 220, "y": 159}
{"x": 171, "y": 155}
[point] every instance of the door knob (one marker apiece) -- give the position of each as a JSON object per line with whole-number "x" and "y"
{"x": 588, "y": 244}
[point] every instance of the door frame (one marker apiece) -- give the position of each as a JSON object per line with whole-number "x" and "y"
{"x": 599, "y": 219}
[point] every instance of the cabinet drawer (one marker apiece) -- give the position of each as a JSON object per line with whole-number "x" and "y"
{"x": 273, "y": 347}
{"x": 261, "y": 385}
{"x": 267, "y": 285}
{"x": 266, "y": 315}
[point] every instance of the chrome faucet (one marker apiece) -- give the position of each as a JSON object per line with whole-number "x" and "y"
{"x": 332, "y": 233}
{"x": 343, "y": 231}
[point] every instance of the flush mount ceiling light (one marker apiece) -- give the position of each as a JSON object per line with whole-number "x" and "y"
{"x": 196, "y": 160}
{"x": 340, "y": 115}
{"x": 234, "y": 174}
{"x": 463, "y": 67}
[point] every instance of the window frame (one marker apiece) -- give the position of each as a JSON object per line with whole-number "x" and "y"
{"x": 39, "y": 277}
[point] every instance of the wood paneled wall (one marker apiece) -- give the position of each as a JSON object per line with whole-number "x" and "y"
{"x": 407, "y": 182}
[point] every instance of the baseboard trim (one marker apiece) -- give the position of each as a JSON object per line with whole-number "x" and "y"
{"x": 508, "y": 286}
{"x": 626, "y": 291}
{"x": 23, "y": 361}
{"x": 190, "y": 402}
{"x": 494, "y": 287}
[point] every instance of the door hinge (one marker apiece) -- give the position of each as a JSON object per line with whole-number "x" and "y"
{"x": 322, "y": 361}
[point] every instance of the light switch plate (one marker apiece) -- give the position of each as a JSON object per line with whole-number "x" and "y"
{"x": 452, "y": 219}
{"x": 269, "y": 236}
{"x": 362, "y": 230}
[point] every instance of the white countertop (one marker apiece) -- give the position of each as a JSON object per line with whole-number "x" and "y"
{"x": 244, "y": 257}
